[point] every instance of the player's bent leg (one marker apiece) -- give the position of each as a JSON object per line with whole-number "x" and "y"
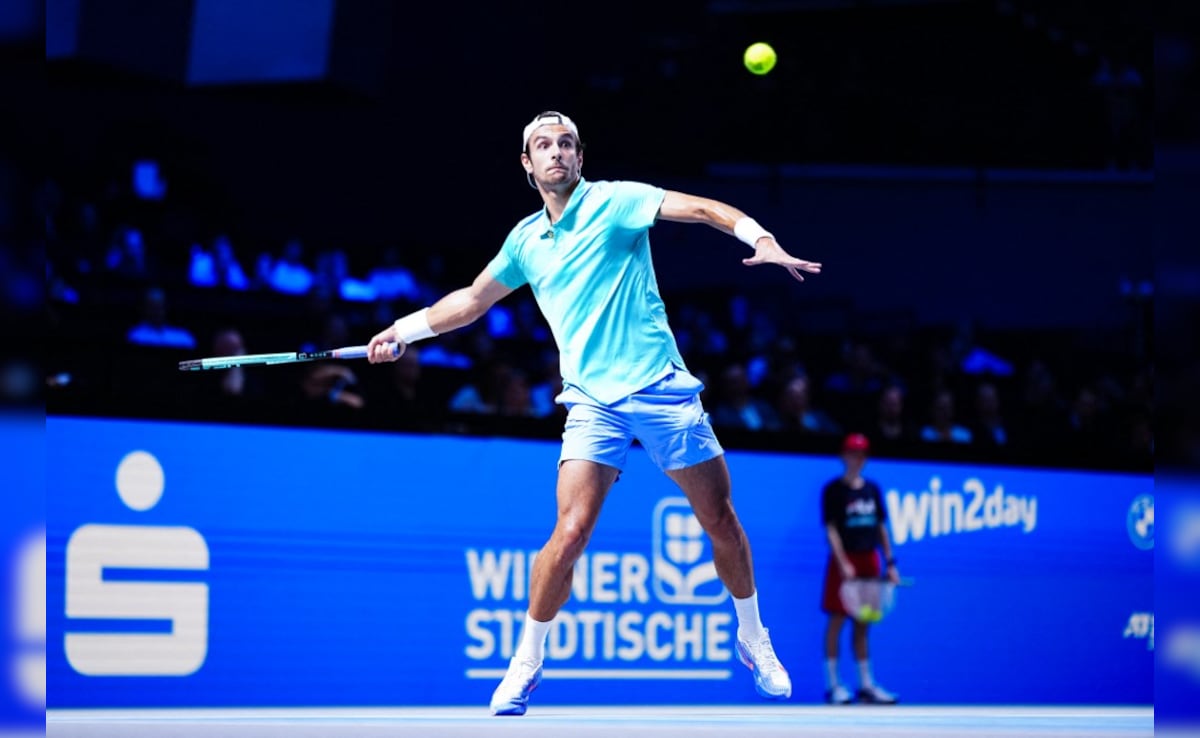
{"x": 582, "y": 487}
{"x": 707, "y": 488}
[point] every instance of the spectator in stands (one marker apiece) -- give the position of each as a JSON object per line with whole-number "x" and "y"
{"x": 854, "y": 387}
{"x": 228, "y": 342}
{"x": 153, "y": 329}
{"x": 943, "y": 427}
{"x": 217, "y": 267}
{"x": 547, "y": 387}
{"x": 861, "y": 373}
{"x": 796, "y": 412}
{"x": 332, "y": 385}
{"x": 756, "y": 340}
{"x": 530, "y": 324}
{"x": 333, "y": 276}
{"x": 202, "y": 268}
{"x": 228, "y": 270}
{"x": 989, "y": 426}
{"x": 287, "y": 274}
{"x": 970, "y": 357}
{"x": 515, "y": 399}
{"x": 405, "y": 399}
{"x": 1043, "y": 416}
{"x": 57, "y": 287}
{"x": 783, "y": 364}
{"x": 698, "y": 335}
{"x": 485, "y": 393}
{"x": 1141, "y": 437}
{"x": 391, "y": 280}
{"x": 1089, "y": 429}
{"x": 738, "y": 407}
{"x": 126, "y": 254}
{"x": 230, "y": 389}
{"x": 890, "y": 422}
{"x": 334, "y": 333}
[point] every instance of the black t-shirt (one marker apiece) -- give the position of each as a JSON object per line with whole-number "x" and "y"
{"x": 857, "y": 513}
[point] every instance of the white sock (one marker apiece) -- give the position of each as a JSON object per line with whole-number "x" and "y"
{"x": 533, "y": 639}
{"x": 750, "y": 627}
{"x": 864, "y": 674}
{"x": 831, "y": 673}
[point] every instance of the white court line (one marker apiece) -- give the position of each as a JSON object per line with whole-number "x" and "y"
{"x": 633, "y": 674}
{"x": 764, "y": 720}
{"x": 858, "y": 712}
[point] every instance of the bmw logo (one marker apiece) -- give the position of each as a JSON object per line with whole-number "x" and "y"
{"x": 1140, "y": 522}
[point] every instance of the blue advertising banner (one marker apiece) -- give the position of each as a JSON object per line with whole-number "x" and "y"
{"x": 23, "y": 572}
{"x": 205, "y": 565}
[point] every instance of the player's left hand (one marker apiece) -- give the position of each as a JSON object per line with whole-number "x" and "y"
{"x": 768, "y": 251}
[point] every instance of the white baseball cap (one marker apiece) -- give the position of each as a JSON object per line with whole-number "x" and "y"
{"x": 547, "y": 118}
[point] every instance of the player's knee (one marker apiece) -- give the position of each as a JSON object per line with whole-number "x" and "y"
{"x": 721, "y": 523}
{"x": 571, "y": 536}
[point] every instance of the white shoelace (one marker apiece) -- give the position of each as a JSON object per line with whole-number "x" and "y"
{"x": 519, "y": 677}
{"x": 764, "y": 656}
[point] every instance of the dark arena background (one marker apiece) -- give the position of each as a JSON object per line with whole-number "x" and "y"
{"x": 344, "y": 548}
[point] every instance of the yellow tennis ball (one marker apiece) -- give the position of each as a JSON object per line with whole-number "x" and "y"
{"x": 759, "y": 58}
{"x": 868, "y": 614}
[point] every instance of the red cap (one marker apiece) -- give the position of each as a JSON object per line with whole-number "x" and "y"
{"x": 856, "y": 442}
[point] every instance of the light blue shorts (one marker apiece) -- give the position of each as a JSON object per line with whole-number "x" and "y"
{"x": 666, "y": 418}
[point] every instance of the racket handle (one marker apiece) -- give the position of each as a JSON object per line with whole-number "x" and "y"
{"x": 360, "y": 352}
{"x": 904, "y": 581}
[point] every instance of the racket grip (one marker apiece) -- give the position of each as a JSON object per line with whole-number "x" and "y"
{"x": 360, "y": 352}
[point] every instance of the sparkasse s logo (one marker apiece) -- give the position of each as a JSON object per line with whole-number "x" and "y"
{"x": 106, "y": 577}
{"x": 29, "y": 667}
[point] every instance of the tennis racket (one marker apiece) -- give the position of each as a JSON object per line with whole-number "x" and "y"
{"x": 869, "y": 599}
{"x": 294, "y": 357}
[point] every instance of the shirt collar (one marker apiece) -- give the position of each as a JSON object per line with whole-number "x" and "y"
{"x": 572, "y": 203}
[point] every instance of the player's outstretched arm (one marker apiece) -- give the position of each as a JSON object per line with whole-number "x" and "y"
{"x": 457, "y": 309}
{"x": 683, "y": 208}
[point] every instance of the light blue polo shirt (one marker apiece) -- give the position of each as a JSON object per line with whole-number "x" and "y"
{"x": 593, "y": 279}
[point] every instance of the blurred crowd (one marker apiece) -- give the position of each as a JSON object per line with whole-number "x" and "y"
{"x": 136, "y": 282}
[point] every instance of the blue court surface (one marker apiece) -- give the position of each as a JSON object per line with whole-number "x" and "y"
{"x": 581, "y": 722}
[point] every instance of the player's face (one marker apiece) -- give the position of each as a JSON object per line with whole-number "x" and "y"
{"x": 553, "y": 158}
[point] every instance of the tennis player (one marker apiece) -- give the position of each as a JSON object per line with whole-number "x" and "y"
{"x": 586, "y": 256}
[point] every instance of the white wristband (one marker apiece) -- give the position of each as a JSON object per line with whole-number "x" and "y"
{"x": 414, "y": 327}
{"x": 748, "y": 231}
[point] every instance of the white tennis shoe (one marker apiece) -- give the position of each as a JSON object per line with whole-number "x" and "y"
{"x": 771, "y": 680}
{"x": 876, "y": 695}
{"x": 839, "y": 695}
{"x": 512, "y": 696}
